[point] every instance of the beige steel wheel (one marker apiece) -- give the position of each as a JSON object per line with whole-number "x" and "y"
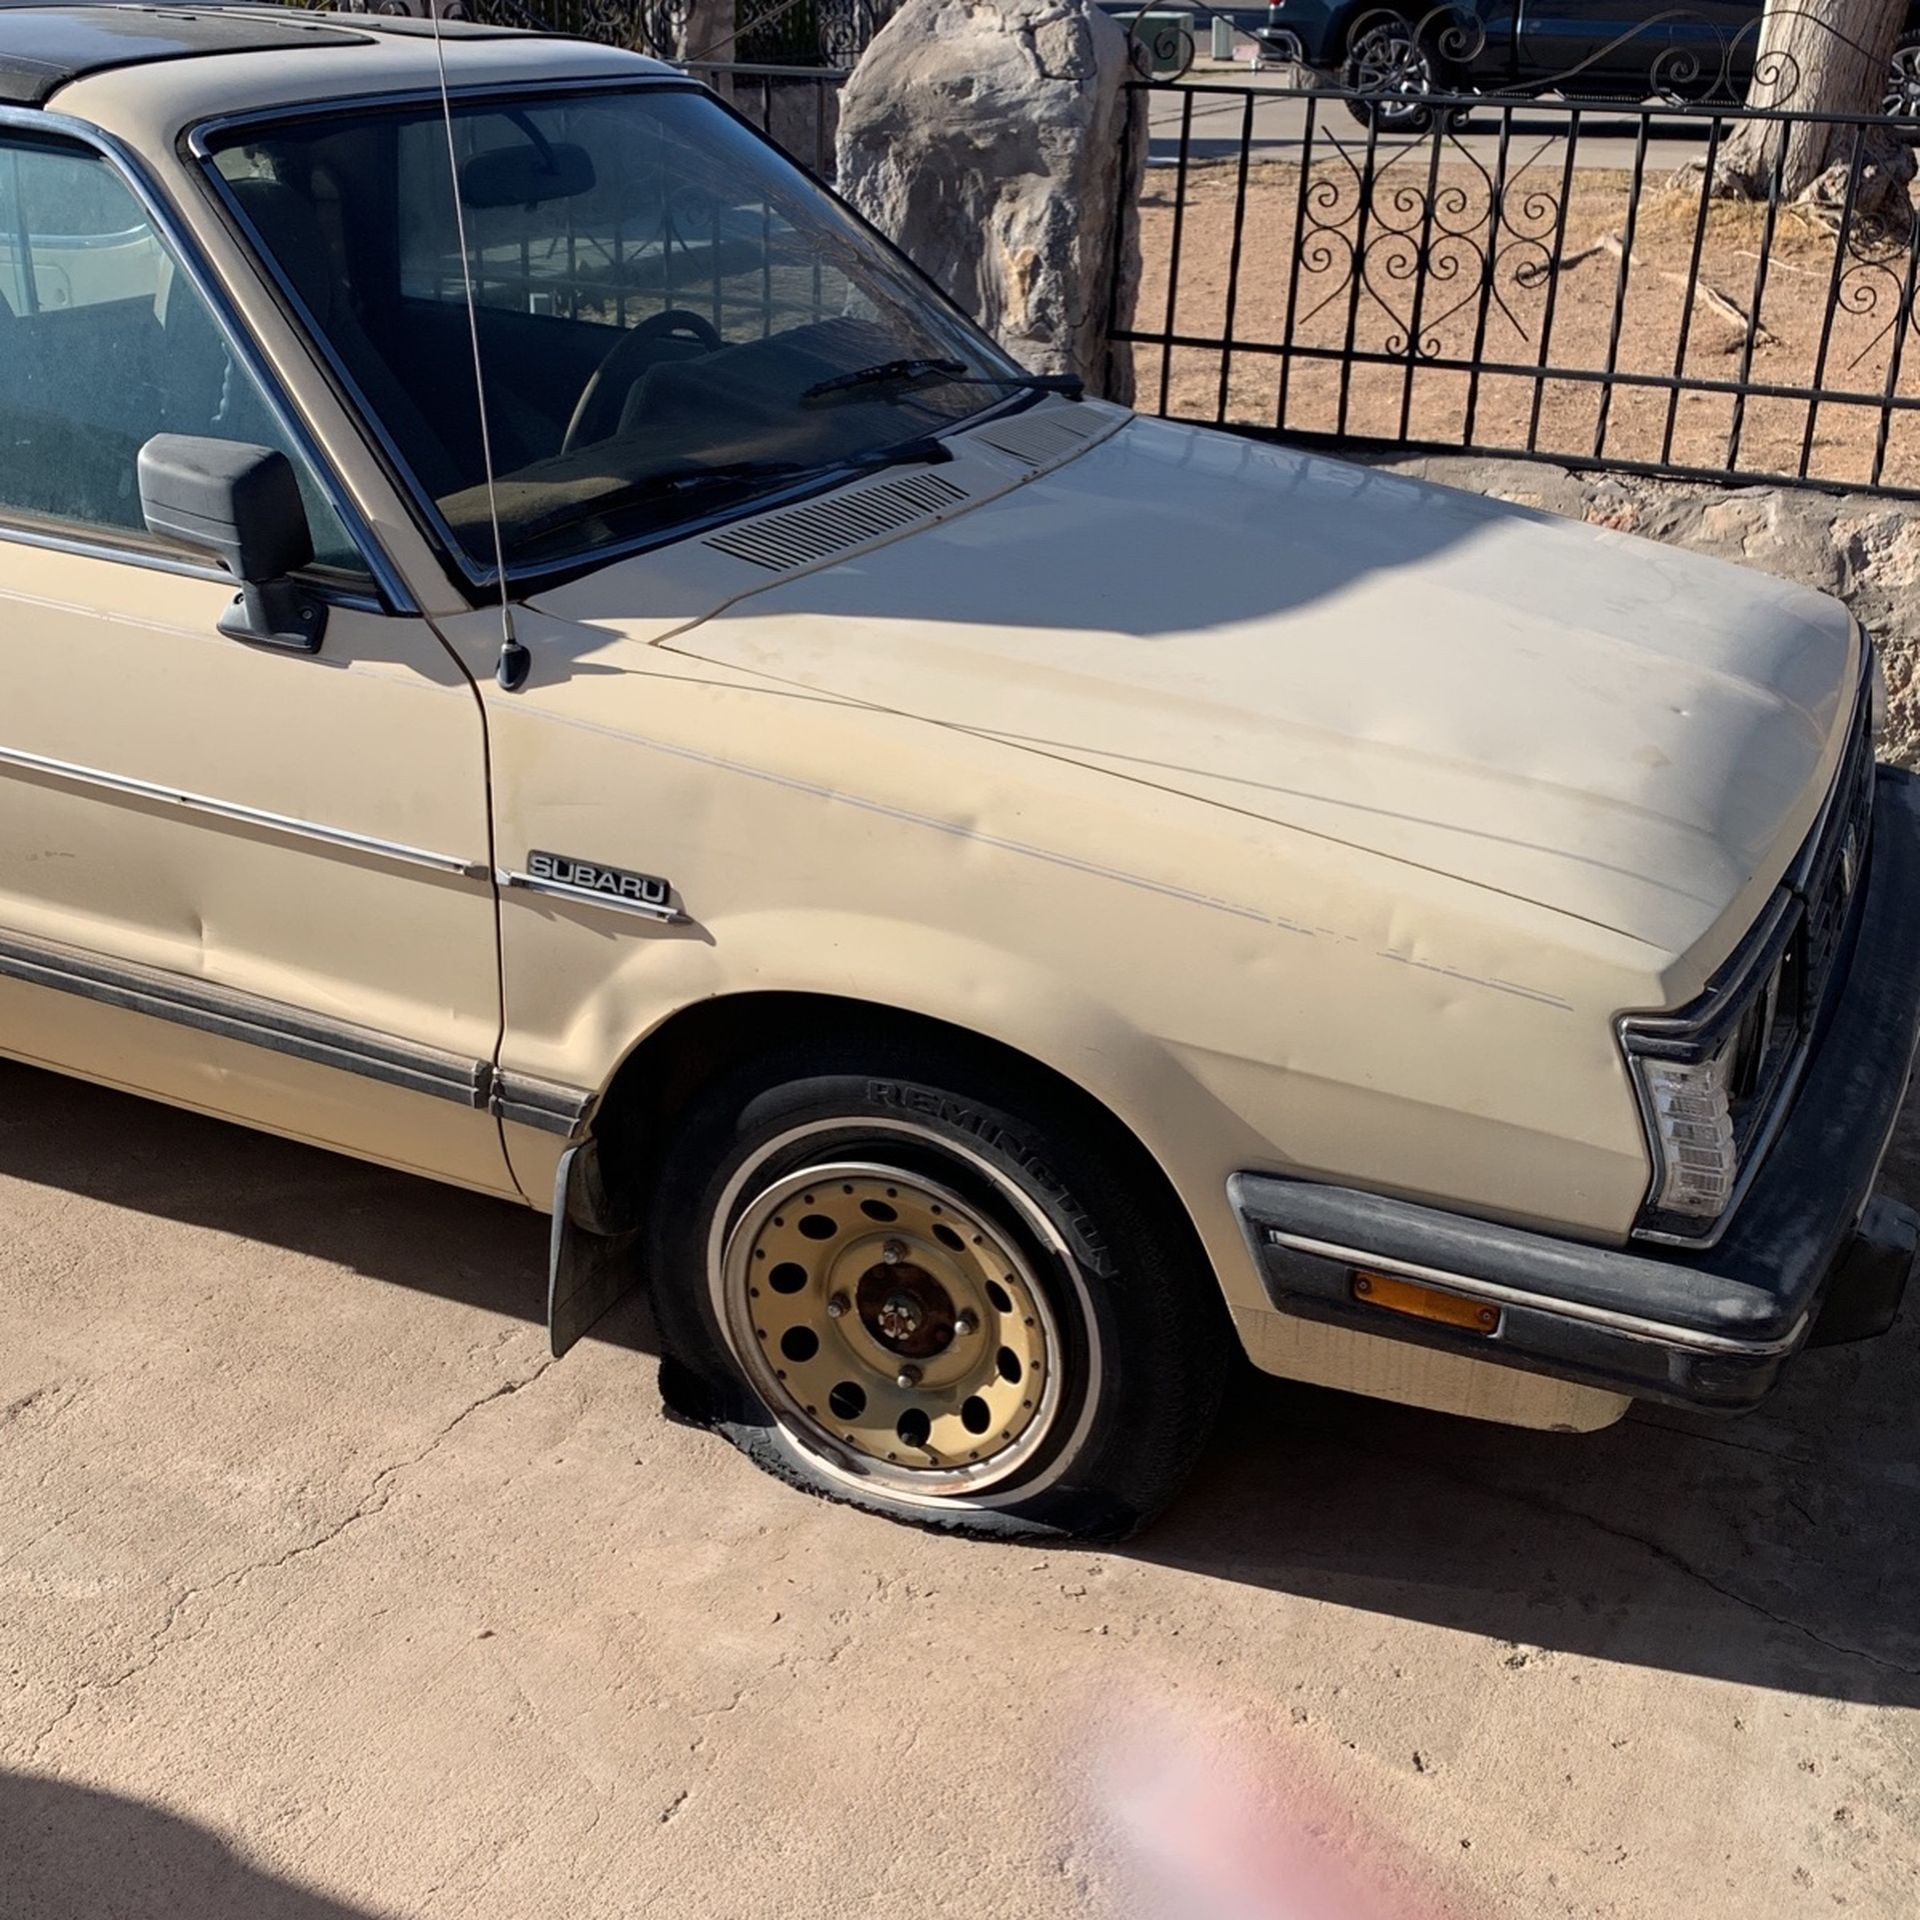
{"x": 895, "y": 1277}
{"x": 895, "y": 1329}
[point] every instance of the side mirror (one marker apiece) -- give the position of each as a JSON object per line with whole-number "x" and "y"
{"x": 241, "y": 504}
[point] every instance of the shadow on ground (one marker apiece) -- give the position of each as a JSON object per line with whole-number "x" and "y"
{"x": 1781, "y": 1550}
{"x": 159, "y": 1160}
{"x": 68, "y": 1852}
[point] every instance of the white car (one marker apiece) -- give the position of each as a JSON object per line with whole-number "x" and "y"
{"x": 868, "y": 839}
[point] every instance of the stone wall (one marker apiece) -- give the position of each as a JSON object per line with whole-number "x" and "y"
{"x": 1865, "y": 550}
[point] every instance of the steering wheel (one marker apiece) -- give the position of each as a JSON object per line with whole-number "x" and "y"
{"x": 597, "y": 415}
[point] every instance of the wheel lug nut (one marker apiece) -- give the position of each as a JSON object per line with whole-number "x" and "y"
{"x": 964, "y": 1324}
{"x": 836, "y": 1306}
{"x": 907, "y": 1377}
{"x": 893, "y": 1252}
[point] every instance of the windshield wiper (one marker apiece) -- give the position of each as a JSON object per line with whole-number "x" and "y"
{"x": 924, "y": 449}
{"x": 908, "y": 376}
{"x": 692, "y": 480}
{"x": 672, "y": 483}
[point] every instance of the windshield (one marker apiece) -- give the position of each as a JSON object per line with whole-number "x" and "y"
{"x": 673, "y": 319}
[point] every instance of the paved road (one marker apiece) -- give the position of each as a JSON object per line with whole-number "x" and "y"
{"x": 323, "y": 1596}
{"x": 1280, "y": 116}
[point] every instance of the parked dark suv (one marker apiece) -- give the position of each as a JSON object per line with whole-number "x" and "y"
{"x": 1398, "y": 50}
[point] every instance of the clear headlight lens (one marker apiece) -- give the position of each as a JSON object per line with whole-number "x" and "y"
{"x": 1691, "y": 1108}
{"x": 1702, "y": 1106}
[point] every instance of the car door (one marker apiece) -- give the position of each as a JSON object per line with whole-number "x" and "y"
{"x": 1608, "y": 47}
{"x": 1720, "y": 38}
{"x": 250, "y": 880}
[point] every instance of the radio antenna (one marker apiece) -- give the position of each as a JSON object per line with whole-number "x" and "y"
{"x": 510, "y": 670}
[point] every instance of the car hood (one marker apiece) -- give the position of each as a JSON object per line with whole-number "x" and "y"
{"x": 1593, "y": 723}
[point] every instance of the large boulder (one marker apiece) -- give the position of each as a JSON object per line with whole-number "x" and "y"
{"x": 989, "y": 140}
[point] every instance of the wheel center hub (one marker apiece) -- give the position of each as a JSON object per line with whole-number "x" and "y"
{"x": 906, "y": 1309}
{"x": 899, "y": 1316}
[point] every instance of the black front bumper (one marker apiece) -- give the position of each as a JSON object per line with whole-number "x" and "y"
{"x": 1810, "y": 1255}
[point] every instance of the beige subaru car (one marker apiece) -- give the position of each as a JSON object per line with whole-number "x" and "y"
{"x": 540, "y": 652}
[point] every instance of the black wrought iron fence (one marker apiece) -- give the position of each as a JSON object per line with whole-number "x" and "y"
{"x": 1627, "y": 281}
{"x": 799, "y": 107}
{"x": 819, "y": 35}
{"x": 791, "y": 91}
{"x": 1555, "y": 280}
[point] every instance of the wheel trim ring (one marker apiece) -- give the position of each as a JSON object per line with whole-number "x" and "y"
{"x": 923, "y": 1489}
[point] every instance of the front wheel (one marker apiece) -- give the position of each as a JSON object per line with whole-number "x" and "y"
{"x": 941, "y": 1301}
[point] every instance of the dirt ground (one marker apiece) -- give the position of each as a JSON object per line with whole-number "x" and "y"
{"x": 323, "y": 1596}
{"x": 1459, "y": 314}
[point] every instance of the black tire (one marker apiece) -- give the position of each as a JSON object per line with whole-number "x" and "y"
{"x": 1386, "y": 72}
{"x": 1131, "y": 1339}
{"x": 1902, "y": 102}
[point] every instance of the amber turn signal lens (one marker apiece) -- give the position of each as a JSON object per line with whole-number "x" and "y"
{"x": 1424, "y": 1303}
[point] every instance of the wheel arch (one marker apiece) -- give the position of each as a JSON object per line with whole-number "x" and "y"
{"x": 667, "y": 1070}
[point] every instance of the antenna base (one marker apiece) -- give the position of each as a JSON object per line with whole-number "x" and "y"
{"x": 512, "y": 667}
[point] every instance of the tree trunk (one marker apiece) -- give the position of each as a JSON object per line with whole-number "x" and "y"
{"x": 1821, "y": 57}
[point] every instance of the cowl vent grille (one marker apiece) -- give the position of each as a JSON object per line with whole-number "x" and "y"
{"x": 1039, "y": 438}
{"x": 823, "y": 528}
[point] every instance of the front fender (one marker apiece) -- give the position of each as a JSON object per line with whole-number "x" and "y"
{"x": 655, "y": 972}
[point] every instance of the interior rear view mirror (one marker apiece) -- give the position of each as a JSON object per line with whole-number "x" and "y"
{"x": 526, "y": 176}
{"x": 242, "y": 505}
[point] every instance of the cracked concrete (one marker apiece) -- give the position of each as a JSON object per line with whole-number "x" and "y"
{"x": 325, "y": 1596}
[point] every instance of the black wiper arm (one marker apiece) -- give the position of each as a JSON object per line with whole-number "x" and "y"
{"x": 923, "y": 450}
{"x": 886, "y": 373}
{"x": 906, "y": 376}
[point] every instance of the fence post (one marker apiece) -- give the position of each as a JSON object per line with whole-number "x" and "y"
{"x": 988, "y": 140}
{"x": 707, "y": 33}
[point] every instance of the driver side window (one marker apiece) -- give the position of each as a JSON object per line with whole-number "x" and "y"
{"x": 104, "y": 342}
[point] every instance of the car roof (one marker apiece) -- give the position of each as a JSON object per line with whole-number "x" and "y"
{"x": 46, "y": 48}
{"x": 42, "y": 49}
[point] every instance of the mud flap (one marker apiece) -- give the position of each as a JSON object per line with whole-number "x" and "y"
{"x": 588, "y": 1273}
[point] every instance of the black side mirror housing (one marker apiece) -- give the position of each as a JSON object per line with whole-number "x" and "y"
{"x": 241, "y": 504}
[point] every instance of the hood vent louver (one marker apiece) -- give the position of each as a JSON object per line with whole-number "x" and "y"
{"x": 802, "y": 535}
{"x": 1039, "y": 438}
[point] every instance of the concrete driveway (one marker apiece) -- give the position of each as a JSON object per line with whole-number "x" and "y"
{"x": 323, "y": 1595}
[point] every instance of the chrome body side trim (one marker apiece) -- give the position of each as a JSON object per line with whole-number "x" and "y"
{"x": 233, "y": 1015}
{"x": 394, "y": 593}
{"x": 259, "y": 1022}
{"x": 544, "y": 1104}
{"x": 586, "y": 897}
{"x": 15, "y": 761}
